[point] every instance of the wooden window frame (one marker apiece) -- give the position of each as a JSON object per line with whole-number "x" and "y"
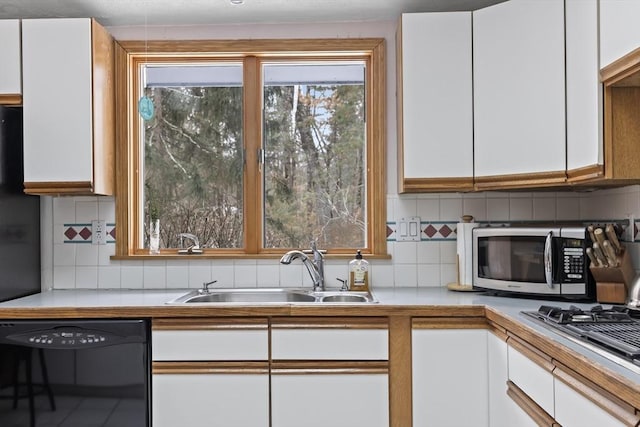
{"x": 129, "y": 54}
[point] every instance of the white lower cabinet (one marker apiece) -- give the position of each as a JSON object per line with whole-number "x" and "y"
{"x": 503, "y": 411}
{"x": 210, "y": 372}
{"x": 580, "y": 403}
{"x": 204, "y": 399}
{"x": 329, "y": 398}
{"x": 449, "y": 376}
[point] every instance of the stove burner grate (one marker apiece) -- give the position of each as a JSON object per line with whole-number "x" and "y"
{"x": 624, "y": 337}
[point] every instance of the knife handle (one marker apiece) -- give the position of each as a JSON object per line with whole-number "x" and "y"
{"x": 597, "y": 250}
{"x": 592, "y": 257}
{"x": 610, "y": 253}
{"x": 591, "y": 235}
{"x": 599, "y": 234}
{"x": 613, "y": 238}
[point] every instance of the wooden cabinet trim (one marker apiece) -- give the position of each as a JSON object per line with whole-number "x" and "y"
{"x": 599, "y": 396}
{"x": 527, "y": 180}
{"x": 306, "y": 367}
{"x": 422, "y": 185}
{"x": 624, "y": 71}
{"x": 103, "y": 105}
{"x": 585, "y": 174}
{"x": 54, "y": 188}
{"x": 203, "y": 368}
{"x": 329, "y": 323}
{"x": 528, "y": 405}
{"x": 400, "y": 372}
{"x": 13, "y": 99}
{"x": 537, "y": 356}
{"x": 449, "y": 323}
{"x": 186, "y": 324}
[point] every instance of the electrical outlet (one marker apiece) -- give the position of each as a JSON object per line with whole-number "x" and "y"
{"x": 98, "y": 232}
{"x": 408, "y": 229}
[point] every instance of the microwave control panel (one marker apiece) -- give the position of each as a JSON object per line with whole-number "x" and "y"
{"x": 573, "y": 260}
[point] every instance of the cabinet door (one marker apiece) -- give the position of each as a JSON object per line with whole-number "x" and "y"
{"x": 519, "y": 93}
{"x": 435, "y": 118}
{"x": 10, "y": 71}
{"x": 584, "y": 92}
{"x": 208, "y": 399}
{"x": 448, "y": 377}
{"x": 56, "y": 57}
{"x": 531, "y": 372}
{"x": 619, "y": 29}
{"x": 329, "y": 398}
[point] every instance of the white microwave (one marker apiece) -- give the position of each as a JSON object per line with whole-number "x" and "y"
{"x": 533, "y": 261}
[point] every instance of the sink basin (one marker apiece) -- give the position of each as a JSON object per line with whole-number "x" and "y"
{"x": 345, "y": 298}
{"x": 272, "y": 296}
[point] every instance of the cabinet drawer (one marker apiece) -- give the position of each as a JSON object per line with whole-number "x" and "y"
{"x": 330, "y": 339}
{"x": 531, "y": 372}
{"x": 183, "y": 339}
{"x": 323, "y": 399}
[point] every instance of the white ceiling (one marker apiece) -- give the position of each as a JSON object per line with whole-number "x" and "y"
{"x": 199, "y": 12}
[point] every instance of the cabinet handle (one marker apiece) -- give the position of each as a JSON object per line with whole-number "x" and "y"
{"x": 537, "y": 414}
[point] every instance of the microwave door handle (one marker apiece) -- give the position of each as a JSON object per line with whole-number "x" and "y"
{"x": 548, "y": 262}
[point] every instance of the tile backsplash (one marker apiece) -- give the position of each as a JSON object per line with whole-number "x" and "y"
{"x": 70, "y": 261}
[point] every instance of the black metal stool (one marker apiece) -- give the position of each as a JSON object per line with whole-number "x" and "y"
{"x": 17, "y": 355}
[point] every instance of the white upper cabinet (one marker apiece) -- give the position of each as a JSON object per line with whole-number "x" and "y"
{"x": 10, "y": 71}
{"x": 435, "y": 117}
{"x": 68, "y": 107}
{"x": 619, "y": 29}
{"x": 519, "y": 92}
{"x": 584, "y": 91}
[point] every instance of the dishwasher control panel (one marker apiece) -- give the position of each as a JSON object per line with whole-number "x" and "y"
{"x": 63, "y": 338}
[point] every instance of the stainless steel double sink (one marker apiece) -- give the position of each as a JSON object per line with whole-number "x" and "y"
{"x": 253, "y": 296}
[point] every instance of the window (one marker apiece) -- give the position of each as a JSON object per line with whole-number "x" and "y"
{"x": 253, "y": 146}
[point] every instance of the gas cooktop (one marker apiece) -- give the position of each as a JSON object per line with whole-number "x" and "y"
{"x": 615, "y": 331}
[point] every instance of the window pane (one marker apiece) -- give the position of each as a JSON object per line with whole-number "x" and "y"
{"x": 314, "y": 142}
{"x": 193, "y": 154}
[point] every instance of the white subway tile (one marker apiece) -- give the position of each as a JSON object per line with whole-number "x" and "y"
{"x": 291, "y": 275}
{"x": 155, "y": 275}
{"x": 451, "y": 209}
{"x": 448, "y": 252}
{"x": 224, "y": 273}
{"x": 107, "y": 209}
{"x": 87, "y": 277}
{"x": 199, "y": 273}
{"x": 86, "y": 254}
{"x": 177, "y": 275}
{"x": 268, "y": 275}
{"x": 544, "y": 208}
{"x": 405, "y": 275}
{"x": 405, "y": 206}
{"x": 109, "y": 277}
{"x": 428, "y": 252}
{"x": 476, "y": 207}
{"x": 382, "y": 275}
{"x": 245, "y": 274}
{"x": 105, "y": 252}
{"x": 520, "y": 209}
{"x": 64, "y": 277}
{"x": 428, "y": 275}
{"x": 406, "y": 253}
{"x": 64, "y": 210}
{"x": 131, "y": 276}
{"x": 64, "y": 254}
{"x": 86, "y": 211}
{"x": 497, "y": 208}
{"x": 448, "y": 274}
{"x": 428, "y": 209}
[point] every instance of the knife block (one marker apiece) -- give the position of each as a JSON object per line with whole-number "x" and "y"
{"x": 612, "y": 283}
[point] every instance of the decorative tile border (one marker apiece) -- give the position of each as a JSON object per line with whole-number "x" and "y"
{"x": 81, "y": 233}
{"x": 437, "y": 231}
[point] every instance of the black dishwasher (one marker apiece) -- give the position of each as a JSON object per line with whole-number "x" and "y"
{"x": 73, "y": 373}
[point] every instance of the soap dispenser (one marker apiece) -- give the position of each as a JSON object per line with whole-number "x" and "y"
{"x": 359, "y": 274}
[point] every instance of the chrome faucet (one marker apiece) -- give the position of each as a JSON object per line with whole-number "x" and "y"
{"x": 315, "y": 267}
{"x": 193, "y": 249}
